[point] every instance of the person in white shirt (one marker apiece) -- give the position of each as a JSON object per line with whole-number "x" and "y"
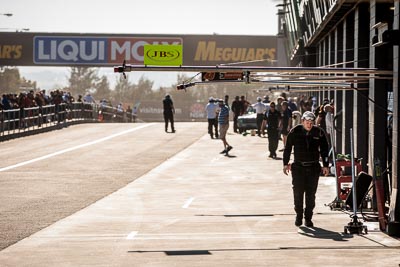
{"x": 134, "y": 113}
{"x": 120, "y": 112}
{"x": 328, "y": 109}
{"x": 89, "y": 98}
{"x": 212, "y": 110}
{"x": 296, "y": 118}
{"x": 260, "y": 109}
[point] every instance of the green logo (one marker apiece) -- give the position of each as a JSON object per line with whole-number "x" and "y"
{"x": 163, "y": 55}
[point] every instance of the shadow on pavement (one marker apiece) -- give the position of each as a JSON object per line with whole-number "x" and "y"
{"x": 316, "y": 232}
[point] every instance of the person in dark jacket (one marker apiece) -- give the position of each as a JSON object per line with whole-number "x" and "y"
{"x": 169, "y": 112}
{"x": 237, "y": 109}
{"x": 309, "y": 143}
{"x": 273, "y": 122}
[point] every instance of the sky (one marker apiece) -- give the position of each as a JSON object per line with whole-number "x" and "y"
{"x": 251, "y": 17}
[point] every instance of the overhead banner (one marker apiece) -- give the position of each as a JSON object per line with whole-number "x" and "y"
{"x": 52, "y": 49}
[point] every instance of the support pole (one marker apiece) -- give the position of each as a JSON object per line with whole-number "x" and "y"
{"x": 336, "y": 204}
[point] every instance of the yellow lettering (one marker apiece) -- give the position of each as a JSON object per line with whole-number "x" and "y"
{"x": 271, "y": 53}
{"x": 18, "y": 51}
{"x": 205, "y": 51}
{"x": 250, "y": 54}
{"x": 208, "y": 51}
{"x": 236, "y": 54}
{"x": 218, "y": 54}
{"x": 10, "y": 51}
{"x": 227, "y": 54}
{"x": 243, "y": 58}
{"x": 6, "y": 51}
{"x": 259, "y": 54}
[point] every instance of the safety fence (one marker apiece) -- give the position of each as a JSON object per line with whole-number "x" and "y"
{"x": 19, "y": 122}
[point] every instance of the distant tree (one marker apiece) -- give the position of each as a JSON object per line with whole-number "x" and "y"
{"x": 160, "y": 93}
{"x": 103, "y": 90}
{"x": 144, "y": 87}
{"x": 28, "y": 84}
{"x": 10, "y": 80}
{"x": 129, "y": 93}
{"x": 83, "y": 80}
{"x": 123, "y": 91}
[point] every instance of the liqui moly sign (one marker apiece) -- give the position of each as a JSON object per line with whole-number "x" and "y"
{"x": 64, "y": 50}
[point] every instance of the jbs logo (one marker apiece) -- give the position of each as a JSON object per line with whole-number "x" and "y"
{"x": 163, "y": 55}
{"x": 93, "y": 50}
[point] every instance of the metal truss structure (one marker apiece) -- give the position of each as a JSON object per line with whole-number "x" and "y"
{"x": 297, "y": 78}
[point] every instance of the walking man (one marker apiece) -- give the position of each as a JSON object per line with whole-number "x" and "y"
{"x": 286, "y": 121}
{"x": 309, "y": 143}
{"x": 260, "y": 110}
{"x": 169, "y": 112}
{"x": 211, "y": 110}
{"x": 273, "y": 122}
{"x": 223, "y": 120}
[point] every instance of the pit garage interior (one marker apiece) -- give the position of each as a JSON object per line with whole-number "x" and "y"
{"x": 356, "y": 34}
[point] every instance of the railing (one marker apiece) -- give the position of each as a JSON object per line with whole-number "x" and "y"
{"x": 18, "y": 122}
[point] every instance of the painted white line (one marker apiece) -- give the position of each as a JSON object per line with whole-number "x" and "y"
{"x": 132, "y": 235}
{"x": 73, "y": 148}
{"x": 188, "y": 202}
{"x": 215, "y": 159}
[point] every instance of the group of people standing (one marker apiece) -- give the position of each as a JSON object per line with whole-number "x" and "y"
{"x": 307, "y": 139}
{"x": 276, "y": 118}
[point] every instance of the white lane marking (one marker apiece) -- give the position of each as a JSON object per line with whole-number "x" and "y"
{"x": 210, "y": 236}
{"x": 72, "y": 148}
{"x": 215, "y": 159}
{"x": 132, "y": 235}
{"x": 188, "y": 202}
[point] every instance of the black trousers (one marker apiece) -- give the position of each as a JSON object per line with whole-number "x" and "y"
{"x": 213, "y": 123}
{"x": 273, "y": 140}
{"x": 235, "y": 125}
{"x": 169, "y": 117}
{"x": 305, "y": 183}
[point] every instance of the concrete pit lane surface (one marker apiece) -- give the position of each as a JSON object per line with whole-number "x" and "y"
{"x": 133, "y": 195}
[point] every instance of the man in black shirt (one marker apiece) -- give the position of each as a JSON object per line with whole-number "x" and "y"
{"x": 309, "y": 142}
{"x": 237, "y": 109}
{"x": 273, "y": 122}
{"x": 169, "y": 111}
